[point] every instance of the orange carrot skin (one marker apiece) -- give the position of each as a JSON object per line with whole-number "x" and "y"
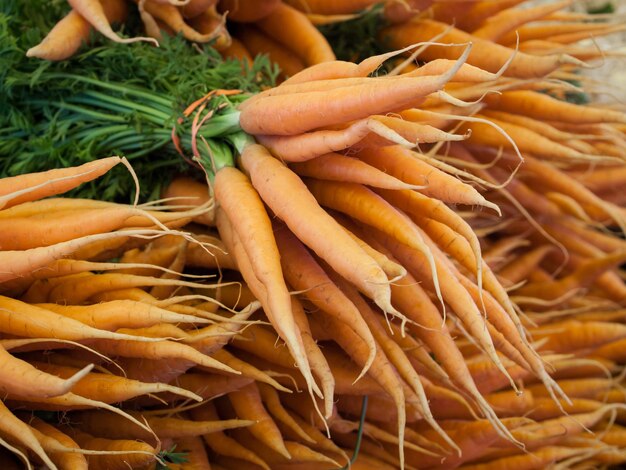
{"x": 302, "y": 213}
{"x": 247, "y": 11}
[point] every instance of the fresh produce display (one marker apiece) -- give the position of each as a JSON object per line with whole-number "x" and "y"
{"x": 309, "y": 234}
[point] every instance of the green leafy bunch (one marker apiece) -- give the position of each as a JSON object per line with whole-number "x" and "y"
{"x": 114, "y": 99}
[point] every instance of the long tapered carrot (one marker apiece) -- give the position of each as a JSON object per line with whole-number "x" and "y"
{"x": 337, "y": 167}
{"x": 306, "y": 146}
{"x": 137, "y": 453}
{"x": 292, "y": 336}
{"x": 508, "y": 20}
{"x": 542, "y": 106}
{"x": 93, "y": 12}
{"x": 22, "y": 319}
{"x": 113, "y": 426}
{"x": 67, "y": 459}
{"x": 23, "y": 379}
{"x": 252, "y": 225}
{"x": 381, "y": 370}
{"x": 12, "y": 426}
{"x": 364, "y": 205}
{"x": 110, "y": 388}
{"x": 222, "y": 444}
{"x": 375, "y": 97}
{"x": 306, "y": 275}
{"x": 402, "y": 164}
{"x": 248, "y": 404}
{"x": 318, "y": 361}
{"x": 292, "y": 28}
{"x": 72, "y": 31}
{"x": 486, "y": 54}
{"x": 301, "y": 212}
{"x": 121, "y": 314}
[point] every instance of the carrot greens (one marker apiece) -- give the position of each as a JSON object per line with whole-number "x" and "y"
{"x": 127, "y": 100}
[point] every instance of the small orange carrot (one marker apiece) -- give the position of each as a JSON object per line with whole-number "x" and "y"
{"x": 32, "y": 186}
{"x": 292, "y": 28}
{"x": 93, "y": 12}
{"x": 301, "y": 213}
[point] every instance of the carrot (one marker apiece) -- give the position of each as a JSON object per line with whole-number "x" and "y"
{"x": 16, "y": 430}
{"x": 402, "y": 164}
{"x": 138, "y": 453}
{"x": 571, "y": 335}
{"x": 316, "y": 358}
{"x": 325, "y": 7}
{"x": 257, "y": 42}
{"x": 112, "y": 427}
{"x": 93, "y": 12}
{"x": 236, "y": 50}
{"x": 65, "y": 460}
{"x": 469, "y": 15}
{"x": 507, "y": 20}
{"x": 581, "y": 278}
{"x": 248, "y": 404}
{"x": 291, "y": 28}
{"x": 72, "y": 31}
{"x": 222, "y": 444}
{"x": 254, "y": 231}
{"x": 121, "y": 314}
{"x": 32, "y": 381}
{"x": 485, "y": 54}
{"x": 381, "y": 370}
{"x": 301, "y": 212}
{"x": 29, "y": 187}
{"x": 366, "y": 206}
{"x": 538, "y": 459}
{"x": 337, "y": 167}
{"x": 370, "y": 97}
{"x": 307, "y": 146}
{"x": 172, "y": 17}
{"x": 211, "y": 385}
{"x": 542, "y": 106}
{"x": 110, "y": 388}
{"x": 271, "y": 400}
{"x": 306, "y": 275}
{"x": 42, "y": 230}
{"x": 247, "y": 11}
{"x": 341, "y": 69}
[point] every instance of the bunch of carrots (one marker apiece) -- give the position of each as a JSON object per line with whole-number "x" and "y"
{"x": 416, "y": 269}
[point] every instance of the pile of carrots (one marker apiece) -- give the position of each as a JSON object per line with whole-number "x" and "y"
{"x": 412, "y": 269}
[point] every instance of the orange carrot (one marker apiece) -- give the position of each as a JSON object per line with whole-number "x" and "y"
{"x": 496, "y": 26}
{"x": 306, "y": 146}
{"x": 486, "y": 54}
{"x": 113, "y": 426}
{"x": 542, "y": 106}
{"x": 257, "y": 42}
{"x": 247, "y": 11}
{"x": 291, "y": 28}
{"x": 301, "y": 212}
{"x": 261, "y": 266}
{"x": 93, "y": 12}
{"x": 29, "y": 187}
{"x": 65, "y": 460}
{"x": 248, "y": 404}
{"x": 304, "y": 274}
{"x": 403, "y": 164}
{"x": 222, "y": 444}
{"x": 370, "y": 97}
{"x": 110, "y": 388}
{"x": 19, "y": 431}
{"x": 337, "y": 167}
{"x": 137, "y": 453}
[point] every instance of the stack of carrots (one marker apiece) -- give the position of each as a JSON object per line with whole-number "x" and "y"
{"x": 415, "y": 269}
